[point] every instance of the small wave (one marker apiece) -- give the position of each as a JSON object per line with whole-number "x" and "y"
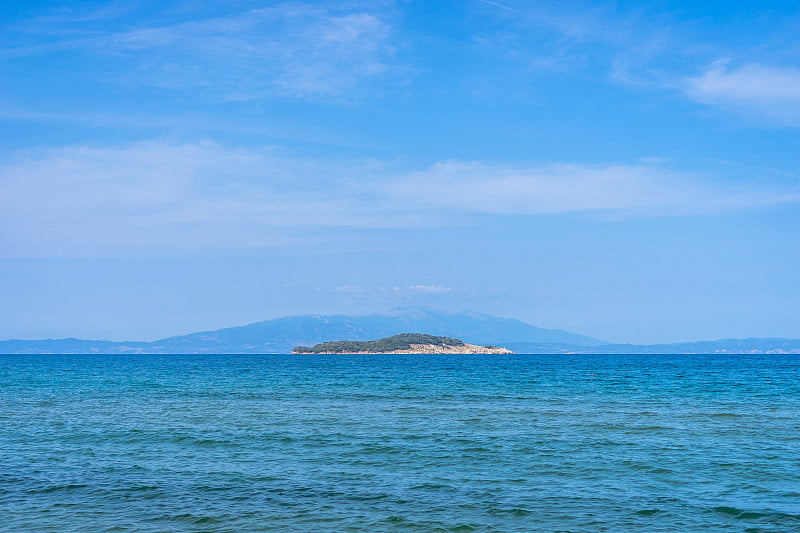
{"x": 205, "y": 443}
{"x": 651, "y": 469}
{"x": 648, "y": 512}
{"x": 380, "y": 449}
{"x": 742, "y": 514}
{"x": 368, "y": 497}
{"x": 137, "y": 488}
{"x": 514, "y": 511}
{"x": 404, "y": 523}
{"x": 431, "y": 486}
{"x": 58, "y": 488}
{"x": 739, "y": 513}
{"x": 189, "y": 518}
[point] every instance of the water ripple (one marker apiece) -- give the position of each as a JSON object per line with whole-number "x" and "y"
{"x": 467, "y": 443}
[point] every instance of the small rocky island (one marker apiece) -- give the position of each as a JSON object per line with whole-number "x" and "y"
{"x": 404, "y": 343}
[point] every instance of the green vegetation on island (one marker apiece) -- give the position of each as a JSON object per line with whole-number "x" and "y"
{"x": 404, "y": 341}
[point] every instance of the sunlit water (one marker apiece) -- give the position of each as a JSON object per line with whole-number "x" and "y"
{"x": 400, "y": 443}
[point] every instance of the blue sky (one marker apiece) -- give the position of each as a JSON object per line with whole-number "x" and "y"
{"x": 626, "y": 170}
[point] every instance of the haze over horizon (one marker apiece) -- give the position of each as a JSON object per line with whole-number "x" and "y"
{"x": 626, "y": 171}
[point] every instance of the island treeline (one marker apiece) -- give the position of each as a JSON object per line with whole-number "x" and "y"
{"x": 404, "y": 341}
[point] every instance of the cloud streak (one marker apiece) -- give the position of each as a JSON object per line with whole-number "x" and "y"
{"x": 753, "y": 89}
{"x": 294, "y": 50}
{"x": 459, "y": 186}
{"x": 201, "y": 196}
{"x": 659, "y": 50}
{"x": 411, "y": 290}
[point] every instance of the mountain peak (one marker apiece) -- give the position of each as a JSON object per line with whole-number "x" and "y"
{"x": 413, "y": 311}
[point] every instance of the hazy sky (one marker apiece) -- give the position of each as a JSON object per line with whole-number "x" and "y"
{"x": 626, "y": 170}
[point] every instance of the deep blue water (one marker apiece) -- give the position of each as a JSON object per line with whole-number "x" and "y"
{"x": 400, "y": 443}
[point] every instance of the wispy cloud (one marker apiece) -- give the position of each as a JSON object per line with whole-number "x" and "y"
{"x": 162, "y": 195}
{"x": 568, "y": 36}
{"x": 201, "y": 196}
{"x": 429, "y": 289}
{"x": 658, "y": 50}
{"x": 69, "y": 14}
{"x": 410, "y": 290}
{"x": 297, "y": 50}
{"x": 768, "y": 92}
{"x": 567, "y": 188}
{"x": 502, "y": 6}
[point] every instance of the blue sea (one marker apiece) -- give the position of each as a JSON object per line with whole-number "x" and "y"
{"x": 570, "y": 443}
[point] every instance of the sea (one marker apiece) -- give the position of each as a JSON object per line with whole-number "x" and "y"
{"x": 428, "y": 443}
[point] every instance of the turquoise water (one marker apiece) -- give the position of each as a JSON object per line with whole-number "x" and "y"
{"x": 399, "y": 443}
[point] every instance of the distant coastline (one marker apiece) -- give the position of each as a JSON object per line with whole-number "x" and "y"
{"x": 282, "y": 335}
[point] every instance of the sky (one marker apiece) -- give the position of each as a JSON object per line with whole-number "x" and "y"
{"x": 625, "y": 170}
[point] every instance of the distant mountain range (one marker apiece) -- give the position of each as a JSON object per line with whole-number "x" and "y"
{"x": 282, "y": 334}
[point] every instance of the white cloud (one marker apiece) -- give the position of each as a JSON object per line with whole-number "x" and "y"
{"x": 303, "y": 50}
{"x": 199, "y": 196}
{"x": 410, "y": 290}
{"x": 564, "y": 188}
{"x": 165, "y": 195}
{"x": 570, "y": 36}
{"x": 353, "y": 289}
{"x": 429, "y": 289}
{"x": 502, "y": 6}
{"x": 658, "y": 50}
{"x": 769, "y": 92}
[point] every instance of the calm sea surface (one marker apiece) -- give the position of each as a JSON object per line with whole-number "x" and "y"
{"x": 399, "y": 443}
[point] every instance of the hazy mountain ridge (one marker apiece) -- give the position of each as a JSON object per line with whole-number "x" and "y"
{"x": 280, "y": 335}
